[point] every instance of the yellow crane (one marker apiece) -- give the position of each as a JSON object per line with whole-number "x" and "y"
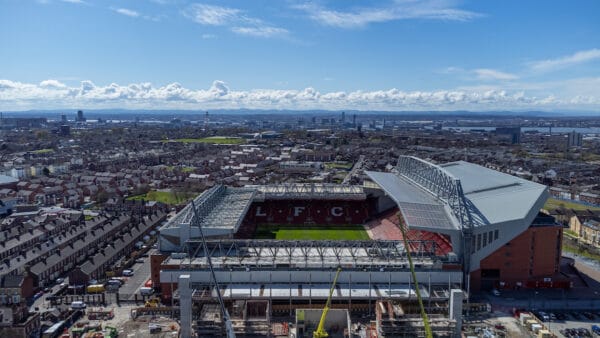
{"x": 424, "y": 317}
{"x": 320, "y": 331}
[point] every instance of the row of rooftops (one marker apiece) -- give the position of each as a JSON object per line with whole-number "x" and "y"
{"x": 116, "y": 247}
{"x": 93, "y": 238}
{"x": 77, "y": 236}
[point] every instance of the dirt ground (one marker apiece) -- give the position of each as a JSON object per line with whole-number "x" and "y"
{"x": 477, "y": 325}
{"x": 135, "y": 328}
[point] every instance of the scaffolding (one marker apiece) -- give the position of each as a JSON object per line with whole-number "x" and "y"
{"x": 442, "y": 184}
{"x": 227, "y": 253}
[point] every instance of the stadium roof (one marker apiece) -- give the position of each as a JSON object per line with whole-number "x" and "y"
{"x": 218, "y": 207}
{"x": 488, "y": 196}
{"x": 420, "y": 209}
{"x": 496, "y": 196}
{"x": 311, "y": 191}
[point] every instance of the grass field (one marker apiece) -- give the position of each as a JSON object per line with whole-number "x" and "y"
{"x": 211, "y": 140}
{"x": 338, "y": 165}
{"x": 311, "y": 232}
{"x": 580, "y": 252}
{"x": 553, "y": 203}
{"x": 43, "y": 151}
{"x": 163, "y": 197}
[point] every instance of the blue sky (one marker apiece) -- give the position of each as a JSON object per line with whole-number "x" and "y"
{"x": 291, "y": 54}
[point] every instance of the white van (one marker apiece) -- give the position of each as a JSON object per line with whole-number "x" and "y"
{"x": 78, "y": 305}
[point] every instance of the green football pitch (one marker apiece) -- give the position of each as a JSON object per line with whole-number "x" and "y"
{"x": 311, "y": 232}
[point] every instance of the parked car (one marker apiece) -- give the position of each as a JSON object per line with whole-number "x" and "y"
{"x": 495, "y": 292}
{"x": 139, "y": 260}
{"x": 127, "y": 272}
{"x": 60, "y": 280}
{"x": 78, "y": 305}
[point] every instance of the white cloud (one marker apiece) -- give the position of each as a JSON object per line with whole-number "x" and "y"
{"x": 127, "y": 12}
{"x": 208, "y": 36}
{"x": 54, "y": 94}
{"x": 74, "y": 1}
{"x": 398, "y": 10}
{"x": 566, "y": 61}
{"x": 235, "y": 19}
{"x": 262, "y": 31}
{"x": 212, "y": 15}
{"x": 52, "y": 84}
{"x": 491, "y": 74}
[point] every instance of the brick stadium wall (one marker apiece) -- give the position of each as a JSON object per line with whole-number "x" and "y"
{"x": 529, "y": 259}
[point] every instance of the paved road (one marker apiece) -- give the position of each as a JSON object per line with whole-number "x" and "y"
{"x": 41, "y": 302}
{"x": 141, "y": 273}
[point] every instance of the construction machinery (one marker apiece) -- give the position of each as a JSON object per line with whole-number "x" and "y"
{"x": 320, "y": 331}
{"x": 152, "y": 302}
{"x": 424, "y": 317}
{"x": 226, "y": 319}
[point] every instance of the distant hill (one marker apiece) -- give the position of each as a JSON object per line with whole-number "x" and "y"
{"x": 90, "y": 113}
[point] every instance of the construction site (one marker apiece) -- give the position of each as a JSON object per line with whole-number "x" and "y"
{"x": 430, "y": 232}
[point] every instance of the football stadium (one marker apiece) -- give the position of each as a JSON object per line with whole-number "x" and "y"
{"x": 274, "y": 251}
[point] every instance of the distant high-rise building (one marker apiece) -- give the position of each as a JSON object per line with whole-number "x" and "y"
{"x": 64, "y": 130}
{"x": 343, "y": 117}
{"x": 63, "y": 118}
{"x": 80, "y": 117}
{"x": 513, "y": 132}
{"x": 354, "y": 120}
{"x": 575, "y": 139}
{"x": 206, "y": 121}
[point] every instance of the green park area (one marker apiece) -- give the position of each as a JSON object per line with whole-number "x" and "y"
{"x": 43, "y": 151}
{"x": 554, "y": 203}
{"x": 338, "y": 165}
{"x": 210, "y": 140}
{"x": 166, "y": 197}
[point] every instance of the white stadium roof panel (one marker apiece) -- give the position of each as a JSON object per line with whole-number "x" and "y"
{"x": 491, "y": 197}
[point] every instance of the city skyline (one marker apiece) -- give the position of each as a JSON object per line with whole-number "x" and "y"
{"x": 391, "y": 55}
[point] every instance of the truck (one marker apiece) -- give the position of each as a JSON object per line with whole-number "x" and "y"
{"x": 95, "y": 288}
{"x": 145, "y": 291}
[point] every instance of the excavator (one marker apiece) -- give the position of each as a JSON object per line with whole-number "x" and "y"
{"x": 320, "y": 331}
